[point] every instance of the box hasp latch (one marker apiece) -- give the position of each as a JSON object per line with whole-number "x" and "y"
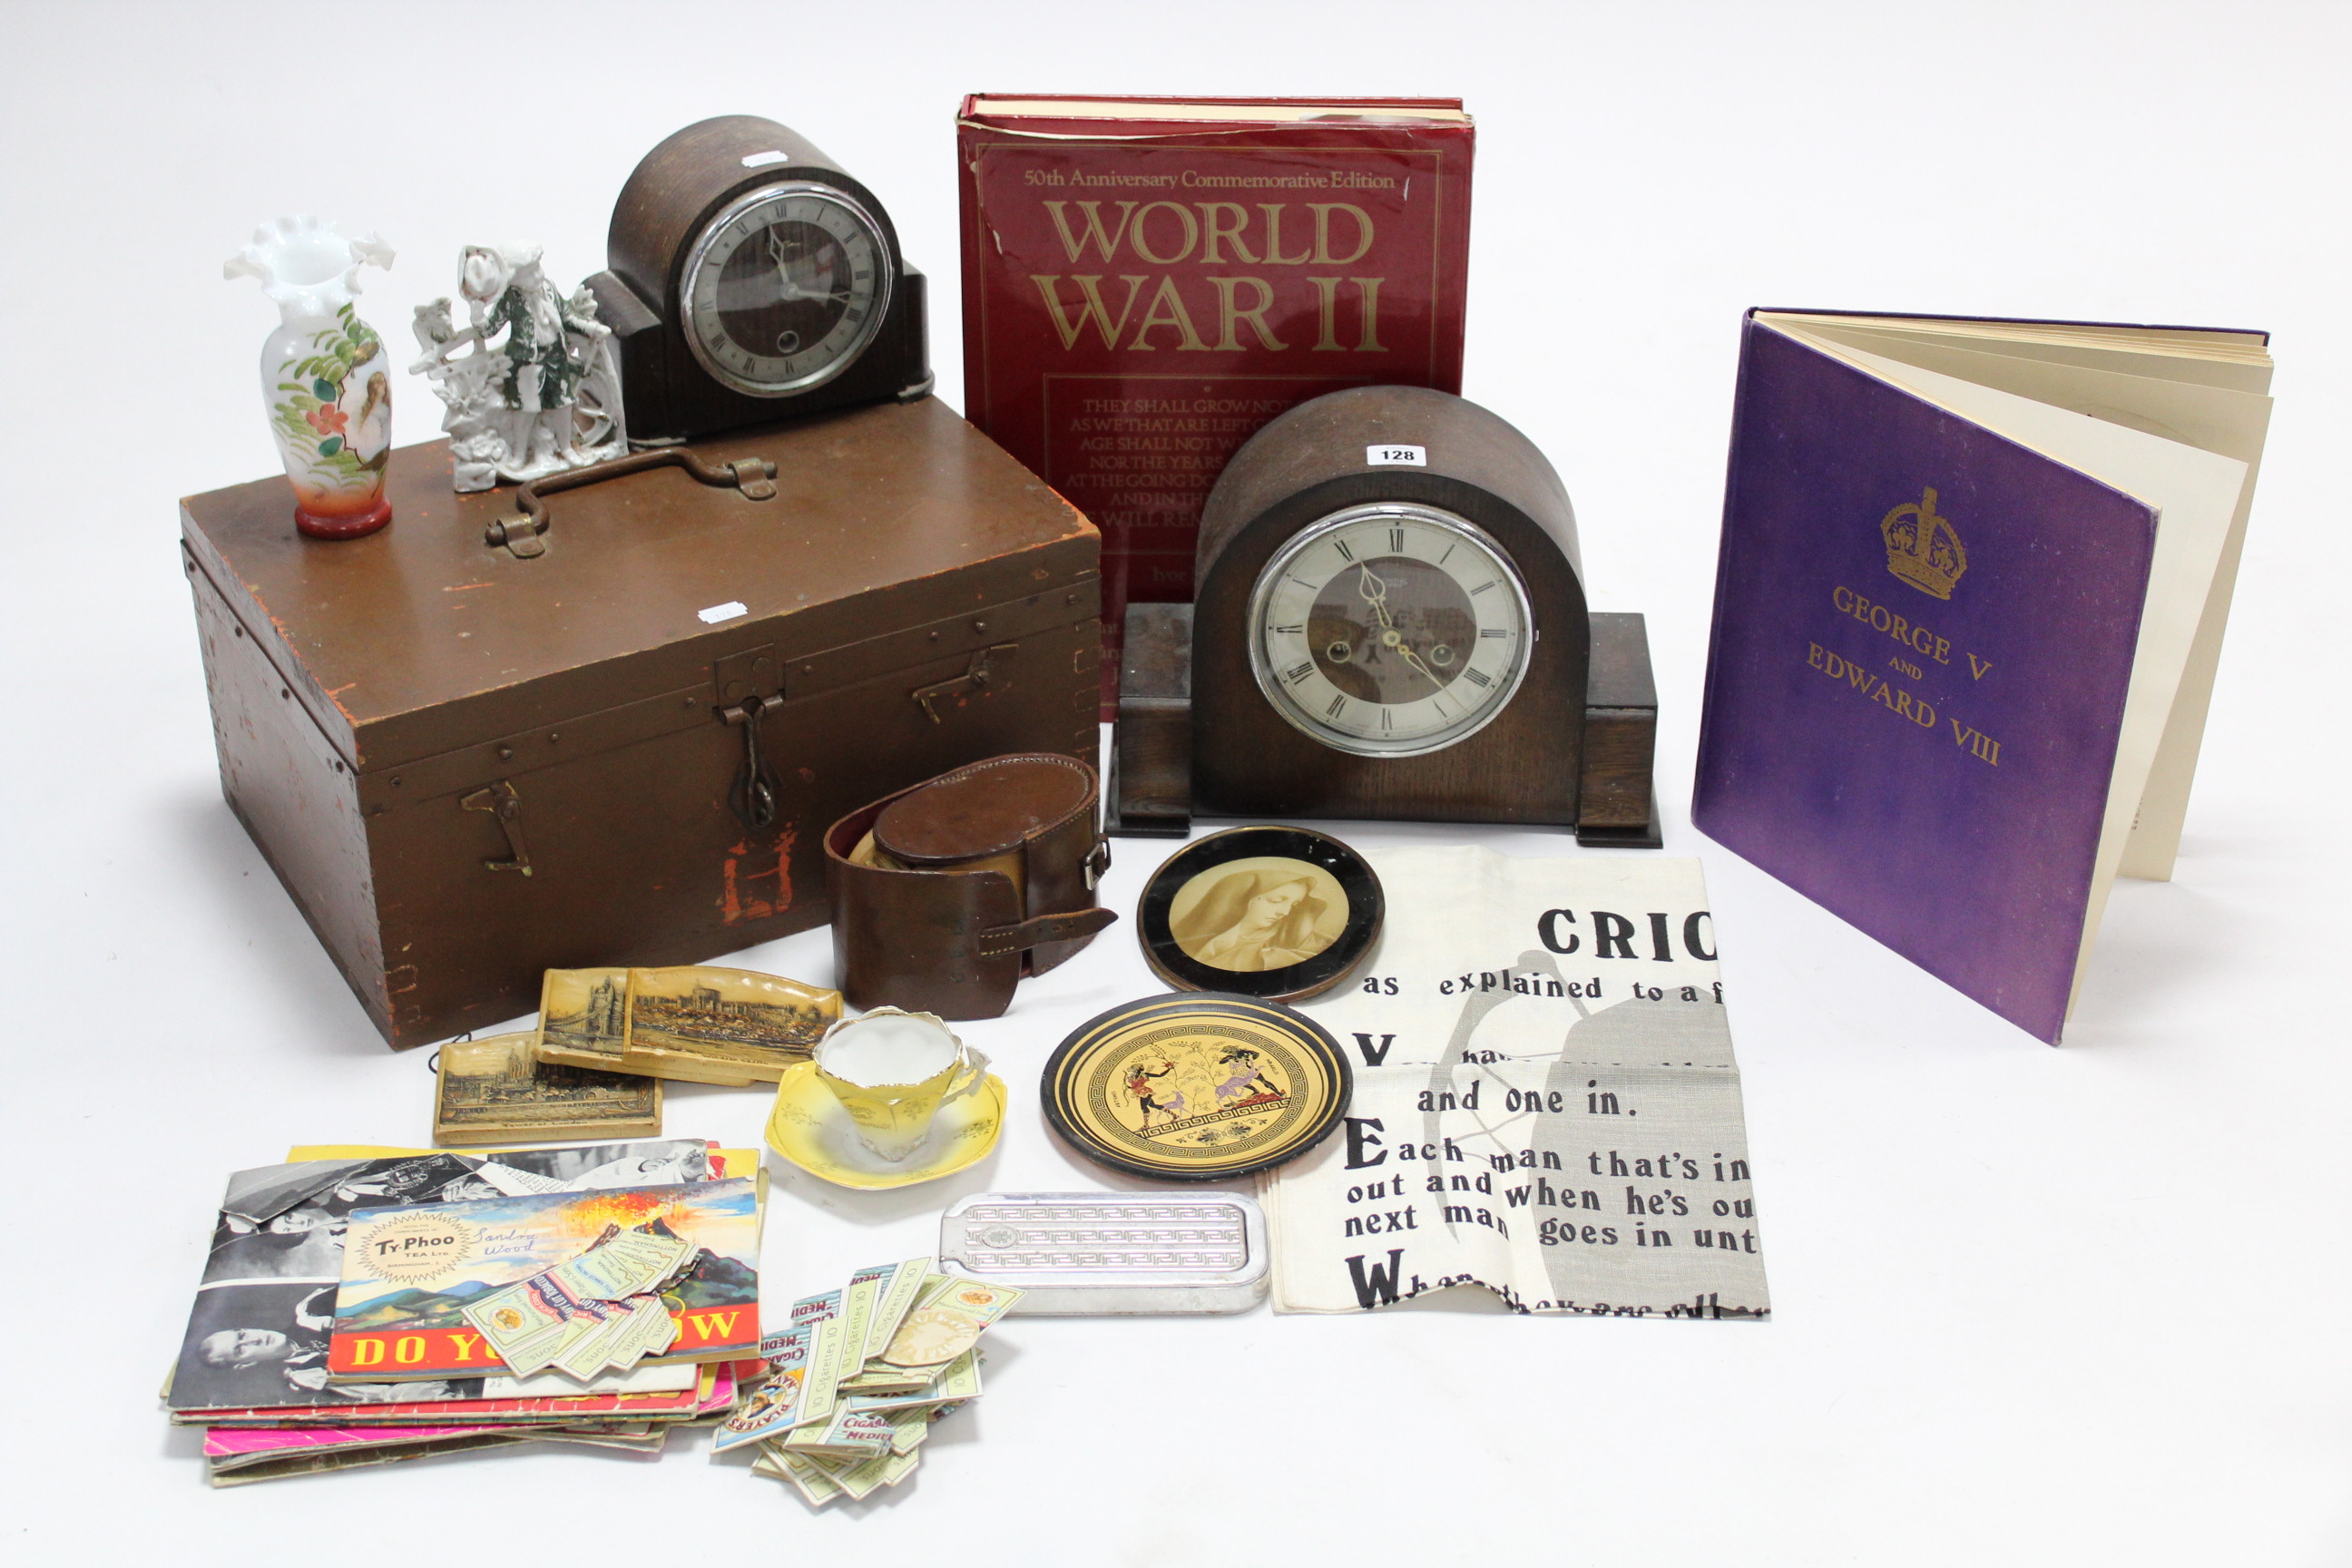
{"x": 503, "y": 802}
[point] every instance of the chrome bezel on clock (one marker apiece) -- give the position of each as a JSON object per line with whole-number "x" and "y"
{"x": 1505, "y": 687}
{"x": 885, "y": 271}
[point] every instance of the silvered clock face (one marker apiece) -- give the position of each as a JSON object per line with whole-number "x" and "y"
{"x": 1390, "y": 630}
{"x": 784, "y": 289}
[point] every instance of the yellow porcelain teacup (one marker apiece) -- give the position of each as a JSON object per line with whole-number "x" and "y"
{"x": 892, "y": 1070}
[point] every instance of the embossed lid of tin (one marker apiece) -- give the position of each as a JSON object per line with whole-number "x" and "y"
{"x": 1196, "y": 1087}
{"x": 1078, "y": 1253}
{"x": 989, "y": 808}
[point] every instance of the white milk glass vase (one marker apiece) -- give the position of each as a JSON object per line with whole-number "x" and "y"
{"x": 326, "y": 380}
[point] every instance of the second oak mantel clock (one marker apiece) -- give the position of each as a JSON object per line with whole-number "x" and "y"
{"x": 752, "y": 279}
{"x": 1391, "y": 623}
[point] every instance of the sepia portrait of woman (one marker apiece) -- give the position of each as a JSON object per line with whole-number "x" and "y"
{"x": 1269, "y": 918}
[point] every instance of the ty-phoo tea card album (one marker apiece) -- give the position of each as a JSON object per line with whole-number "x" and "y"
{"x": 588, "y": 1279}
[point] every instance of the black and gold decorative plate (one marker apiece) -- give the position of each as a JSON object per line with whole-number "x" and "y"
{"x": 1196, "y": 1087}
{"x": 1282, "y": 913}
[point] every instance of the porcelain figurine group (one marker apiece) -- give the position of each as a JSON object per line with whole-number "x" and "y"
{"x": 532, "y": 382}
{"x": 540, "y": 390}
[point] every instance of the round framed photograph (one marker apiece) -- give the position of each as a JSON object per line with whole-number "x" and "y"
{"x": 1279, "y": 912}
{"x": 1196, "y": 1087}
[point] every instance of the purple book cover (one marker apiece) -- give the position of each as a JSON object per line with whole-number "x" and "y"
{"x": 1923, "y": 636}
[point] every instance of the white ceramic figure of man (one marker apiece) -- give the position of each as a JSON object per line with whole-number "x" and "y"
{"x": 540, "y": 392}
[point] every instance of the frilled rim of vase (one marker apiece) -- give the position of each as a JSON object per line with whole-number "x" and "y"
{"x": 307, "y": 265}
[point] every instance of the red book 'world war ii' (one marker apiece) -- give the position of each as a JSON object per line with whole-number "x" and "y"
{"x": 1147, "y": 281}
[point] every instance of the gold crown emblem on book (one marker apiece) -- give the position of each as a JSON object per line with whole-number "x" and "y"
{"x": 1922, "y": 548}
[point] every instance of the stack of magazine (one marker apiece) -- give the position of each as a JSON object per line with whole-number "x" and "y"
{"x": 354, "y": 1299}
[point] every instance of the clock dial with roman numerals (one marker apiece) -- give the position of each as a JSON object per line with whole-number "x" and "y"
{"x": 1390, "y": 630}
{"x": 785, "y": 287}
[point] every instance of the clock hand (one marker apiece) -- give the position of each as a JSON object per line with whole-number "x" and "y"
{"x": 1389, "y": 637}
{"x": 792, "y": 293}
{"x": 1365, "y": 584}
{"x": 788, "y": 292}
{"x": 1414, "y": 660}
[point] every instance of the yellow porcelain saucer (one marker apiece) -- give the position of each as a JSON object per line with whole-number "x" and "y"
{"x": 810, "y": 1128}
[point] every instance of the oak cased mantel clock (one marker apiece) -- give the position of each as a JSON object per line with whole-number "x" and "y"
{"x": 1391, "y": 623}
{"x": 752, "y": 281}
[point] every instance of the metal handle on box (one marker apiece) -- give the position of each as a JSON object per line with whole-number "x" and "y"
{"x": 523, "y": 531}
{"x": 975, "y": 678}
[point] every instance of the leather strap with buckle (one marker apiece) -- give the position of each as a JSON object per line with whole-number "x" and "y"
{"x": 1000, "y": 941}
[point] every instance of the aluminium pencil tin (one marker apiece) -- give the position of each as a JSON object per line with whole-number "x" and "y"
{"x": 1104, "y": 1253}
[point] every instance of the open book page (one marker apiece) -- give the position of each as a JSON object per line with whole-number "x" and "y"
{"x": 2142, "y": 391}
{"x": 2192, "y": 354}
{"x": 2196, "y": 494}
{"x": 1546, "y": 1101}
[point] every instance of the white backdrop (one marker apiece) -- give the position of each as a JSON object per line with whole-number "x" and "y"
{"x": 2033, "y": 1306}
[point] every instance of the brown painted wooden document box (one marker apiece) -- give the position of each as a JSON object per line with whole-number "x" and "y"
{"x": 618, "y": 738}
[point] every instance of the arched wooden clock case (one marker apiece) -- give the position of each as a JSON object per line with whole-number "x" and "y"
{"x": 676, "y": 204}
{"x": 1209, "y": 722}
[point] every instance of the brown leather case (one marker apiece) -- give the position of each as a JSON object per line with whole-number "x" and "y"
{"x": 991, "y": 878}
{"x": 469, "y": 765}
